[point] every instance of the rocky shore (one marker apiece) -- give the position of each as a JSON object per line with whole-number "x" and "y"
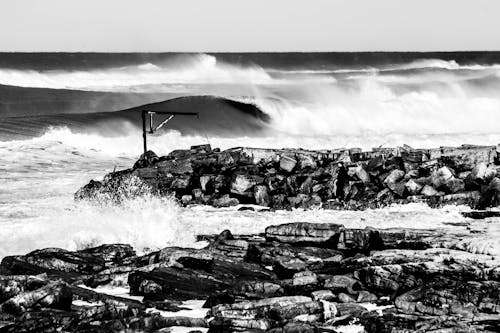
{"x": 296, "y": 277}
{"x": 292, "y": 178}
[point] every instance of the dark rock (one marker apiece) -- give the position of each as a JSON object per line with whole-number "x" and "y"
{"x": 303, "y": 233}
{"x": 225, "y": 201}
{"x": 54, "y": 295}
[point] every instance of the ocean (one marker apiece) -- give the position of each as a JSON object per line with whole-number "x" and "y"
{"x": 68, "y": 117}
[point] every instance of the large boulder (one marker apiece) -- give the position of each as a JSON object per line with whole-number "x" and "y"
{"x": 242, "y": 184}
{"x": 305, "y": 233}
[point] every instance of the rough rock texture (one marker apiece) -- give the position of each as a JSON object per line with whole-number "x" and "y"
{"x": 299, "y": 277}
{"x": 289, "y": 178}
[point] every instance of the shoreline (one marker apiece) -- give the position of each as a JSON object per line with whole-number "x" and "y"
{"x": 285, "y": 277}
{"x": 294, "y": 277}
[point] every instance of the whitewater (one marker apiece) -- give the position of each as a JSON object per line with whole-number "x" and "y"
{"x": 421, "y": 103}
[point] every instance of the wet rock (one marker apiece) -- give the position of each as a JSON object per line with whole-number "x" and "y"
{"x": 189, "y": 258}
{"x": 454, "y": 185}
{"x": 225, "y": 201}
{"x": 441, "y": 176}
{"x": 54, "y": 295}
{"x": 285, "y": 267}
{"x": 295, "y": 178}
{"x": 243, "y": 184}
{"x": 111, "y": 252}
{"x": 342, "y": 283}
{"x": 305, "y": 233}
{"x": 13, "y": 285}
{"x": 262, "y": 314}
{"x": 429, "y": 191}
{"x": 287, "y": 163}
{"x": 412, "y": 187}
{"x": 359, "y": 240}
{"x": 393, "y": 178}
{"x": 54, "y": 259}
{"x": 261, "y": 195}
{"x": 326, "y": 295}
{"x": 175, "y": 167}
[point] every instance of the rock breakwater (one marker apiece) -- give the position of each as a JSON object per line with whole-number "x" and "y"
{"x": 292, "y": 178}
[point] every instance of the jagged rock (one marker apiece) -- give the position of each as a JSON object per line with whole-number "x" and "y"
{"x": 260, "y": 289}
{"x": 366, "y": 297}
{"x": 295, "y": 178}
{"x": 13, "y": 285}
{"x": 441, "y": 176}
{"x": 57, "y": 260}
{"x": 287, "y": 163}
{"x": 186, "y": 199}
{"x": 326, "y": 295}
{"x": 261, "y": 195}
{"x": 285, "y": 267}
{"x": 342, "y": 283}
{"x": 225, "y": 201}
{"x": 429, "y": 191}
{"x": 201, "y": 149}
{"x": 393, "y": 178}
{"x": 412, "y": 187}
{"x": 54, "y": 295}
{"x": 305, "y": 233}
{"x": 491, "y": 195}
{"x": 307, "y": 162}
{"x": 359, "y": 240}
{"x": 243, "y": 184}
{"x": 345, "y": 298}
{"x": 454, "y": 185}
{"x": 175, "y": 167}
{"x": 177, "y": 283}
{"x": 111, "y": 252}
{"x": 262, "y": 314}
{"x": 189, "y": 258}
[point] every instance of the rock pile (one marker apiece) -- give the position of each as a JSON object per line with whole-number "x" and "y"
{"x": 296, "y": 277}
{"x": 336, "y": 179}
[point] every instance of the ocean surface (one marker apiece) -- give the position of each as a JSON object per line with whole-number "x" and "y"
{"x": 68, "y": 117}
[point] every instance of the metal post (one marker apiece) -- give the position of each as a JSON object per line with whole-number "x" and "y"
{"x": 152, "y": 129}
{"x": 144, "y": 131}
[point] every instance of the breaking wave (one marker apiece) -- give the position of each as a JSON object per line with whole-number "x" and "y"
{"x": 188, "y": 69}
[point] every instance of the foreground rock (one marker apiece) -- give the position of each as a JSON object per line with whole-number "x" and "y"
{"x": 288, "y": 178}
{"x": 296, "y": 277}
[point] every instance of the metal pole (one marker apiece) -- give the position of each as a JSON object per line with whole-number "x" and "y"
{"x": 144, "y": 131}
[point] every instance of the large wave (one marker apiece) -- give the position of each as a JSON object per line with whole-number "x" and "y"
{"x": 188, "y": 69}
{"x": 422, "y": 102}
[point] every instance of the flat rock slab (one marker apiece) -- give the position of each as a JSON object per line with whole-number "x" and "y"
{"x": 481, "y": 214}
{"x": 305, "y": 233}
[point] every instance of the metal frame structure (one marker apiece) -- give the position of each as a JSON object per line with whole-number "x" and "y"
{"x": 152, "y": 128}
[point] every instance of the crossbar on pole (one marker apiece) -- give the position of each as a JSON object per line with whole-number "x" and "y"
{"x": 152, "y": 129}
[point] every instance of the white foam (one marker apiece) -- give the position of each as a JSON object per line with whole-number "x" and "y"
{"x": 197, "y": 69}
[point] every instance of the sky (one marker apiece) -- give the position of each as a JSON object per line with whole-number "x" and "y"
{"x": 252, "y": 25}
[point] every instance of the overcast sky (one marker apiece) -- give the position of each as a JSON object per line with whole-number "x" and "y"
{"x": 250, "y": 25}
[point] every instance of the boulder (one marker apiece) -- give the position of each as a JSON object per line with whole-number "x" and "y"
{"x": 175, "y": 167}
{"x": 261, "y": 195}
{"x": 287, "y": 163}
{"x": 225, "y": 201}
{"x": 305, "y": 233}
{"x": 412, "y": 187}
{"x": 454, "y": 185}
{"x": 54, "y": 295}
{"x": 393, "y": 178}
{"x": 429, "y": 191}
{"x": 242, "y": 184}
{"x": 441, "y": 176}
